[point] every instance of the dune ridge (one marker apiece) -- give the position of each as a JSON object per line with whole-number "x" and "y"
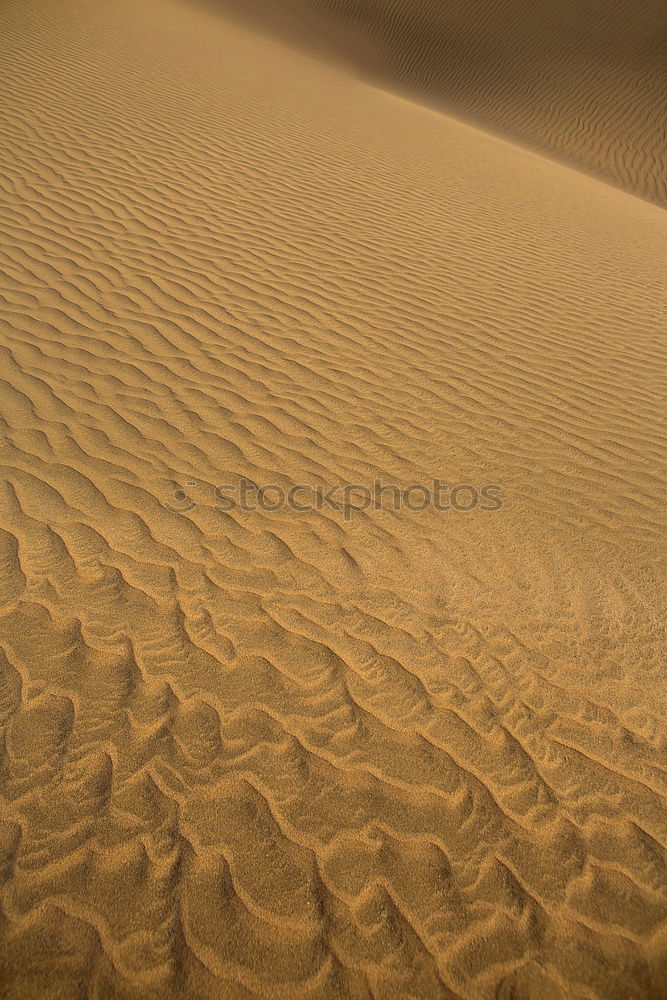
{"x": 272, "y": 754}
{"x": 581, "y": 80}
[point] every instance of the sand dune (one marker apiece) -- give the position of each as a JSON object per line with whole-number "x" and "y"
{"x": 583, "y": 80}
{"x": 334, "y": 752}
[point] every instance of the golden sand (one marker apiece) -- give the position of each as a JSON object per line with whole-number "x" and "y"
{"x": 356, "y": 753}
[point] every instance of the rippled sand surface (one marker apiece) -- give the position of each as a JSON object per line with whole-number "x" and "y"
{"x": 584, "y": 81}
{"x": 340, "y": 752}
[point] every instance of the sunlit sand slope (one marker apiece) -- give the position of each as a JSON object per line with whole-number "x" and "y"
{"x": 332, "y": 753}
{"x": 585, "y": 80}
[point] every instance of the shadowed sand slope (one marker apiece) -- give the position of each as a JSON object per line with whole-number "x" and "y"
{"x": 584, "y": 80}
{"x": 336, "y": 753}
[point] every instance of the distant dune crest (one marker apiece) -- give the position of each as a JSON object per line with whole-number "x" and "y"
{"x": 583, "y": 80}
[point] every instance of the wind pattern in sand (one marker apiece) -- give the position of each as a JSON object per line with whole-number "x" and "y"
{"x": 254, "y": 754}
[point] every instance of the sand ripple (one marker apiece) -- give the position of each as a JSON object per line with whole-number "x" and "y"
{"x": 285, "y": 755}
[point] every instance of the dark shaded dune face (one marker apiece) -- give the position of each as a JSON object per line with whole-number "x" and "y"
{"x": 583, "y": 80}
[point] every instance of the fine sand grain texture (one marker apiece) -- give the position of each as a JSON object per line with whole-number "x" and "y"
{"x": 321, "y": 754}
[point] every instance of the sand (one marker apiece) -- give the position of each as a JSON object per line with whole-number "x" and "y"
{"x": 584, "y": 81}
{"x": 339, "y": 752}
